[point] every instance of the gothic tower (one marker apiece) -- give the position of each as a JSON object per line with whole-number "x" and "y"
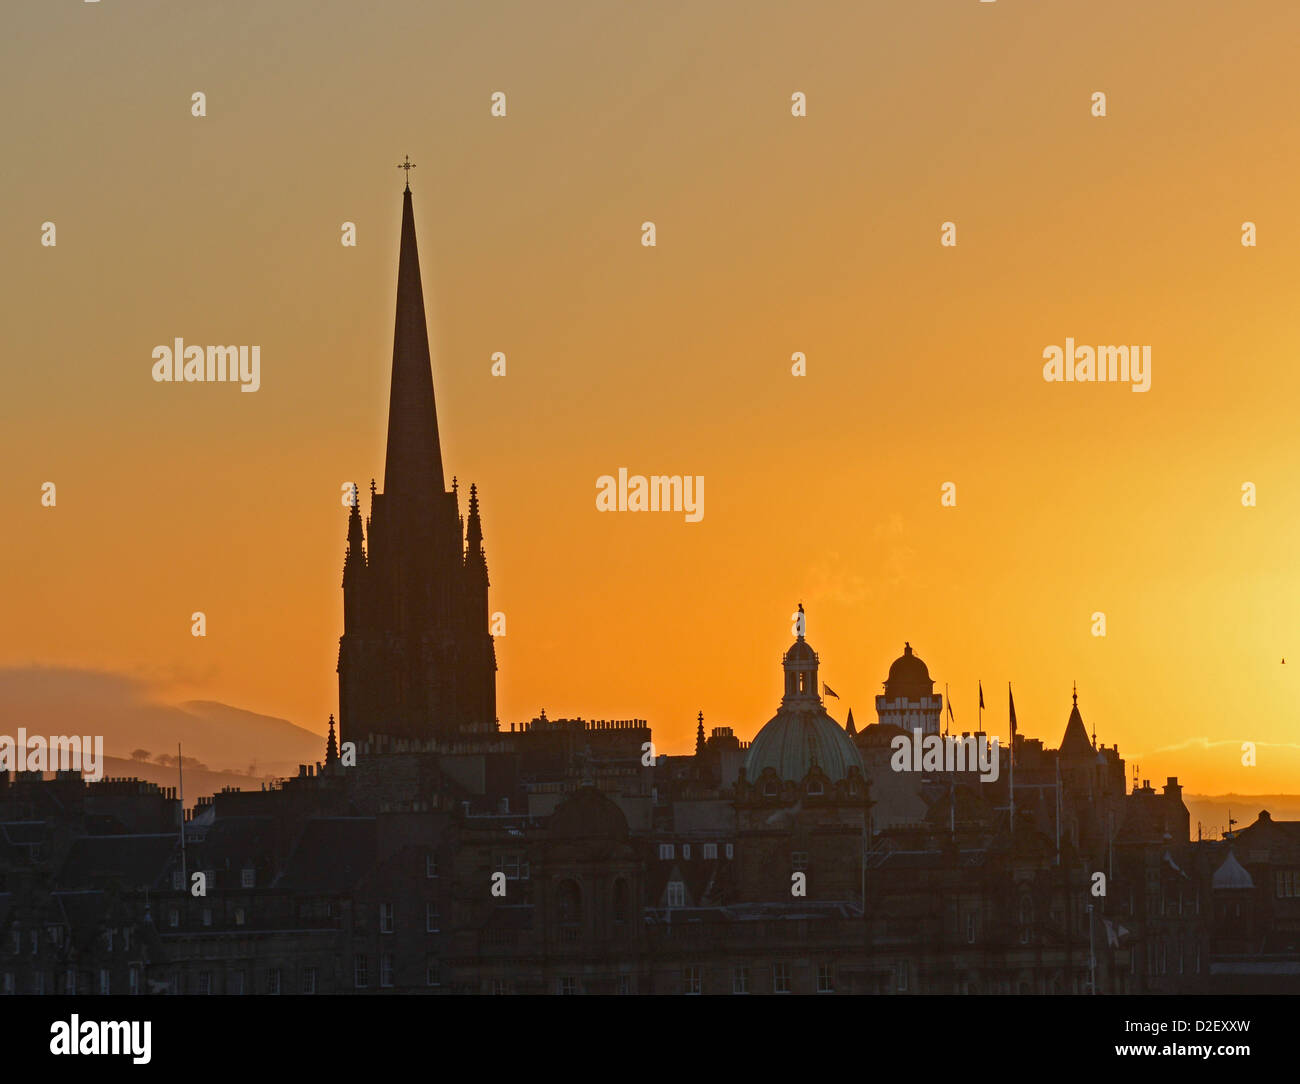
{"x": 416, "y": 659}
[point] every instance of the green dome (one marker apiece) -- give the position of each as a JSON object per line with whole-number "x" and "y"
{"x": 798, "y": 737}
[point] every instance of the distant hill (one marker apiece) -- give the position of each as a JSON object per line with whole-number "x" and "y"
{"x": 1212, "y": 810}
{"x": 129, "y": 715}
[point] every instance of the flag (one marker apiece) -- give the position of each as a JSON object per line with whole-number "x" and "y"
{"x": 1012, "y": 700}
{"x": 828, "y": 691}
{"x": 981, "y": 684}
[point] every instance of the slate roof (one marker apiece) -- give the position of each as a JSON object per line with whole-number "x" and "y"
{"x": 331, "y": 855}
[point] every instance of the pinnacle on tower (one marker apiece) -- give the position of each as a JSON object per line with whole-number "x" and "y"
{"x": 331, "y": 745}
{"x": 699, "y": 736}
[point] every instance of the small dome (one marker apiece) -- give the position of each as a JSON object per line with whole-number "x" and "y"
{"x": 797, "y": 738}
{"x": 1232, "y": 874}
{"x": 909, "y": 677}
{"x": 800, "y": 651}
{"x": 588, "y": 814}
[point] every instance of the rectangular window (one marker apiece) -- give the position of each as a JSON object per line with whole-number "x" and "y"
{"x": 385, "y": 918}
{"x": 903, "y": 976}
{"x": 308, "y": 980}
{"x": 710, "y": 851}
{"x": 740, "y": 980}
{"x": 239, "y": 916}
{"x": 692, "y": 980}
{"x": 431, "y": 865}
{"x": 432, "y": 972}
{"x": 9, "y": 982}
{"x": 825, "y": 979}
{"x": 108, "y": 939}
{"x": 178, "y": 880}
{"x": 799, "y": 861}
{"x": 666, "y": 852}
{"x": 566, "y": 984}
{"x": 431, "y": 917}
{"x": 105, "y": 981}
{"x": 173, "y": 918}
{"x": 625, "y": 984}
{"x": 730, "y": 851}
{"x": 386, "y": 969}
{"x": 676, "y": 894}
{"x": 273, "y": 981}
{"x": 686, "y": 851}
{"x": 781, "y": 978}
{"x": 236, "y": 982}
{"x": 207, "y": 916}
{"x": 247, "y": 877}
{"x": 205, "y": 982}
{"x": 970, "y": 927}
{"x": 70, "y": 980}
{"x": 514, "y": 866}
{"x": 360, "y": 973}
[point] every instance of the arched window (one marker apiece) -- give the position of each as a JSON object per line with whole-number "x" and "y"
{"x": 569, "y": 908}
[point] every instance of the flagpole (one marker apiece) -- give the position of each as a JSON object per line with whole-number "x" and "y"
{"x": 180, "y": 775}
{"x": 1012, "y": 704}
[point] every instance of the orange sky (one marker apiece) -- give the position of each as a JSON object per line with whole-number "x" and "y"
{"x": 775, "y": 234}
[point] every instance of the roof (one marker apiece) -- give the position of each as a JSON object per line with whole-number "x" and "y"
{"x": 1075, "y": 742}
{"x": 588, "y": 814}
{"x": 331, "y": 855}
{"x": 1232, "y": 874}
{"x": 909, "y": 678}
{"x": 798, "y": 737}
{"x": 139, "y": 861}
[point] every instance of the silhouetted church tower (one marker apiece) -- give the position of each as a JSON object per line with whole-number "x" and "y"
{"x": 416, "y": 659}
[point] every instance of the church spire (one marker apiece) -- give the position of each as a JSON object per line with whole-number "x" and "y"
{"x": 699, "y": 736}
{"x": 413, "y": 464}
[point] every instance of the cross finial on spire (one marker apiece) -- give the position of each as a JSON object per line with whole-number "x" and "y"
{"x": 408, "y": 165}
{"x": 1076, "y": 693}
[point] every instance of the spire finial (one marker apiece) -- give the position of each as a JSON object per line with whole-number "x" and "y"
{"x": 1076, "y": 694}
{"x": 408, "y": 165}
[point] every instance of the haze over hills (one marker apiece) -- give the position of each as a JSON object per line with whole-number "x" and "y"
{"x": 1213, "y": 810}
{"x": 58, "y": 700}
